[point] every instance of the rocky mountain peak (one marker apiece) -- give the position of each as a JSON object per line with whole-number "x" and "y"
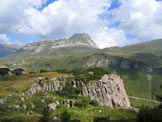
{"x": 80, "y": 37}
{"x": 76, "y": 40}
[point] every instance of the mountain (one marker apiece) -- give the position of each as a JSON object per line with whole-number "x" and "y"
{"x": 80, "y": 51}
{"x": 77, "y": 44}
{"x": 149, "y": 52}
{"x": 76, "y": 40}
{"x": 48, "y": 47}
{"x": 7, "y": 49}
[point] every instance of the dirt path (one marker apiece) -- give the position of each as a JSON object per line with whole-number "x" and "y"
{"x": 143, "y": 99}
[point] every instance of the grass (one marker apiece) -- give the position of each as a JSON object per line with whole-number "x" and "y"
{"x": 87, "y": 114}
{"x": 136, "y": 83}
{"x": 19, "y": 83}
{"x": 156, "y": 83}
{"x": 140, "y": 103}
{"x": 147, "y": 52}
{"x": 82, "y": 114}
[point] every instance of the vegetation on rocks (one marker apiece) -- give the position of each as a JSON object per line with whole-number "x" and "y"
{"x": 69, "y": 91}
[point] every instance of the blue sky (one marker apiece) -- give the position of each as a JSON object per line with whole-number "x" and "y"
{"x": 108, "y": 22}
{"x": 48, "y": 2}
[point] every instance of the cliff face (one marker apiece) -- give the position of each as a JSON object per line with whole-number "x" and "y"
{"x": 76, "y": 40}
{"x": 108, "y": 91}
{"x": 106, "y": 60}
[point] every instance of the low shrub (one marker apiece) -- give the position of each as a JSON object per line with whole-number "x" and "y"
{"x": 11, "y": 120}
{"x": 45, "y": 115}
{"x": 43, "y": 70}
{"x": 65, "y": 117}
{"x": 94, "y": 103}
{"x": 4, "y": 71}
{"x": 149, "y": 115}
{"x": 101, "y": 119}
{"x": 84, "y": 102}
{"x": 87, "y": 75}
{"x": 69, "y": 91}
{"x": 10, "y": 89}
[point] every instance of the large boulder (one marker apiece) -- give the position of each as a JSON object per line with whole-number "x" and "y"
{"x": 5, "y": 71}
{"x": 108, "y": 91}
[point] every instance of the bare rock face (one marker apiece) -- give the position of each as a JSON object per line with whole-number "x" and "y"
{"x": 76, "y": 40}
{"x": 51, "y": 86}
{"x": 103, "y": 60}
{"x": 109, "y": 91}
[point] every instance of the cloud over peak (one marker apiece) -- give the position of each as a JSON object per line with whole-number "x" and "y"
{"x": 108, "y": 27}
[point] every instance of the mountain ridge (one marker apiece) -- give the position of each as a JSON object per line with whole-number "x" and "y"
{"x": 7, "y": 49}
{"x": 76, "y": 40}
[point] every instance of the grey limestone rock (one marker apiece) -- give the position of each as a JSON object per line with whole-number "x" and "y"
{"x": 24, "y": 106}
{"x": 109, "y": 91}
{"x": 3, "y": 101}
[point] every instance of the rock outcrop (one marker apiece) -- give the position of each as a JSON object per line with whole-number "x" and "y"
{"x": 109, "y": 91}
{"x": 51, "y": 86}
{"x": 5, "y": 71}
{"x": 106, "y": 60}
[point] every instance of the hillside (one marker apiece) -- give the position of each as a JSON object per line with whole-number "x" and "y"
{"x": 147, "y": 52}
{"x": 135, "y": 65}
{"x": 7, "y": 49}
{"x": 27, "y": 94}
{"x": 76, "y": 44}
{"x": 138, "y": 60}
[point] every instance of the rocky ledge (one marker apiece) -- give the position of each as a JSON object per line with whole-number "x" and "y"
{"x": 108, "y": 91}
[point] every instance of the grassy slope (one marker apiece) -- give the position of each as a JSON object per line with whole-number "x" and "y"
{"x": 20, "y": 83}
{"x": 147, "y": 47}
{"x": 16, "y": 84}
{"x": 147, "y": 52}
{"x": 68, "y": 51}
{"x": 62, "y": 58}
{"x": 156, "y": 83}
{"x": 136, "y": 83}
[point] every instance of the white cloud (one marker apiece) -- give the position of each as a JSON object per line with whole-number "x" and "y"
{"x": 12, "y": 14}
{"x": 4, "y": 39}
{"x": 62, "y": 18}
{"x": 141, "y": 18}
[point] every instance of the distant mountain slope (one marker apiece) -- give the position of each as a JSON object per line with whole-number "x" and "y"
{"x": 7, "y": 49}
{"x": 145, "y": 47}
{"x": 148, "y": 52}
{"x": 80, "y": 45}
{"x": 77, "y": 44}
